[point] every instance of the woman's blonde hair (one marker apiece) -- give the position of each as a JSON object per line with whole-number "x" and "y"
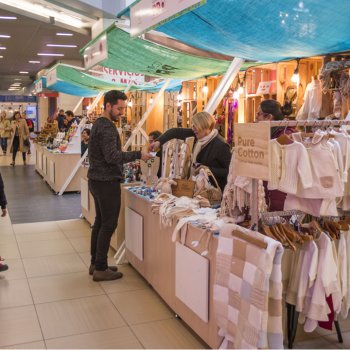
{"x": 203, "y": 121}
{"x": 3, "y": 115}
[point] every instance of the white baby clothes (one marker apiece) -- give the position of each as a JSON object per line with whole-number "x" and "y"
{"x": 309, "y": 263}
{"x": 326, "y": 283}
{"x": 312, "y": 101}
{"x": 326, "y": 181}
{"x": 290, "y": 167}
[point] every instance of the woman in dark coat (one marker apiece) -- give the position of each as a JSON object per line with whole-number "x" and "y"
{"x": 210, "y": 148}
{"x": 3, "y": 203}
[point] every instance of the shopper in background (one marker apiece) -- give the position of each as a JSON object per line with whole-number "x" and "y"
{"x": 85, "y": 135}
{"x": 210, "y": 148}
{"x": 5, "y": 131}
{"x": 152, "y": 136}
{"x": 30, "y": 125}
{"x": 267, "y": 111}
{"x": 20, "y": 138}
{"x": 3, "y": 203}
{"x": 60, "y": 120}
{"x": 104, "y": 174}
{"x": 71, "y": 119}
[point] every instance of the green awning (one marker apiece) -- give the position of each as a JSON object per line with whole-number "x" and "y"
{"x": 141, "y": 56}
{"x": 78, "y": 78}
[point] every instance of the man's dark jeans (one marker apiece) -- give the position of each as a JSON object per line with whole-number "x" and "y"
{"x": 107, "y": 203}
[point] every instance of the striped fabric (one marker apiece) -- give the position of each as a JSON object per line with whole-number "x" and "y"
{"x": 248, "y": 290}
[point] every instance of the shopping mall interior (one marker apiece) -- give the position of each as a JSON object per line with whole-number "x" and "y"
{"x": 175, "y": 174}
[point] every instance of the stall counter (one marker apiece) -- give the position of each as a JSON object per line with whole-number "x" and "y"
{"x": 55, "y": 168}
{"x": 178, "y": 273}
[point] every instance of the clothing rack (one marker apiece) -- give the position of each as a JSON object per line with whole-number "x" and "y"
{"x": 292, "y": 314}
{"x": 310, "y": 122}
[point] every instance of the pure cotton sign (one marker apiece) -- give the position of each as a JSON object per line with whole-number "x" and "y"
{"x": 252, "y": 150}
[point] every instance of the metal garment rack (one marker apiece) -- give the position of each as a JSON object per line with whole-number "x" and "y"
{"x": 310, "y": 122}
{"x": 292, "y": 314}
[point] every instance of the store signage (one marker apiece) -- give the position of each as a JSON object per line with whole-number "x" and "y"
{"x": 148, "y": 14}
{"x": 51, "y": 77}
{"x": 39, "y": 86}
{"x": 264, "y": 87}
{"x": 47, "y": 94}
{"x": 252, "y": 150}
{"x": 121, "y": 77}
{"x": 96, "y": 53}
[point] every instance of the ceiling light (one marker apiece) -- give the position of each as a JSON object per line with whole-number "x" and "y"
{"x": 34, "y": 62}
{"x": 59, "y": 45}
{"x": 45, "y": 12}
{"x": 17, "y": 84}
{"x": 64, "y": 34}
{"x": 8, "y": 17}
{"x": 23, "y": 72}
{"x": 5, "y": 36}
{"x": 295, "y": 76}
{"x": 1, "y": 56}
{"x": 50, "y": 54}
{"x": 18, "y": 79}
{"x": 205, "y": 88}
{"x": 2, "y": 48}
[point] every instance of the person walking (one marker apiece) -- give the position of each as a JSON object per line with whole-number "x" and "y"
{"x": 5, "y": 131}
{"x": 30, "y": 127}
{"x": 20, "y": 138}
{"x": 3, "y": 203}
{"x": 105, "y": 173}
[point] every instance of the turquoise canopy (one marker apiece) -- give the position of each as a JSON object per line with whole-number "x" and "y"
{"x": 265, "y": 30}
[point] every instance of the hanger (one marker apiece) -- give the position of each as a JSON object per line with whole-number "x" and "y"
{"x": 255, "y": 241}
{"x": 290, "y": 233}
{"x": 284, "y": 139}
{"x": 283, "y": 237}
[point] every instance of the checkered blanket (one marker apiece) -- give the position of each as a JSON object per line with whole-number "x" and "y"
{"x": 248, "y": 291}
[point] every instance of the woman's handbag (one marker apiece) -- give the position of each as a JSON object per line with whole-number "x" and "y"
{"x": 26, "y": 143}
{"x": 209, "y": 191}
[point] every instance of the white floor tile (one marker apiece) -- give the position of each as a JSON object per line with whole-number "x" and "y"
{"x": 77, "y": 316}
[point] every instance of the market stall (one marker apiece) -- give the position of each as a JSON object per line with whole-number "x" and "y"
{"x": 190, "y": 258}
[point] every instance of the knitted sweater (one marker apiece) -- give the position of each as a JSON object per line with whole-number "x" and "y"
{"x": 105, "y": 156}
{"x": 289, "y": 166}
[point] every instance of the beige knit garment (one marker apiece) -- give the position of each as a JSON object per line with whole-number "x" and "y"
{"x": 248, "y": 291}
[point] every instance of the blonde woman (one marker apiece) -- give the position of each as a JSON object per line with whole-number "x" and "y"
{"x": 20, "y": 138}
{"x": 5, "y": 131}
{"x": 210, "y": 148}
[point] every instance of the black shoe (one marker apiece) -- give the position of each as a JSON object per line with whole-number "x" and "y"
{"x": 92, "y": 268}
{"x": 106, "y": 275}
{"x": 3, "y": 267}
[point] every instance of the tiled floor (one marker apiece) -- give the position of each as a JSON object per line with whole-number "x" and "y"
{"x": 30, "y": 198}
{"x": 48, "y": 300}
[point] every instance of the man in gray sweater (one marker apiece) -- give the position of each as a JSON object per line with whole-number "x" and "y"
{"x": 105, "y": 174}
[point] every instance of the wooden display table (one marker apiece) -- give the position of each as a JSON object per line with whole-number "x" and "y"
{"x": 55, "y": 168}
{"x": 89, "y": 213}
{"x": 177, "y": 272}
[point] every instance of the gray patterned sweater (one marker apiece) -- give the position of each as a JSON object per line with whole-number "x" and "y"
{"x": 105, "y": 156}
